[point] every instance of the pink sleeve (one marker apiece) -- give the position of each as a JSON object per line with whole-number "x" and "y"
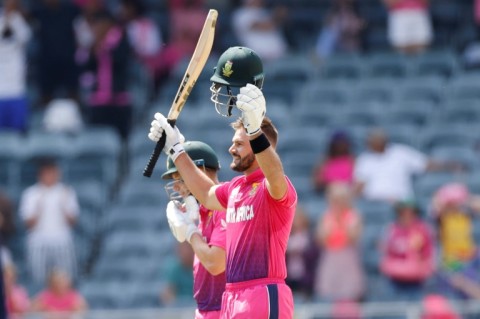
{"x": 222, "y": 193}
{"x": 290, "y": 197}
{"x": 219, "y": 237}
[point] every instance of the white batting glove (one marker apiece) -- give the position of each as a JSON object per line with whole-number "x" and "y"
{"x": 181, "y": 226}
{"x": 192, "y": 207}
{"x": 251, "y": 102}
{"x": 173, "y": 143}
{"x": 176, "y": 222}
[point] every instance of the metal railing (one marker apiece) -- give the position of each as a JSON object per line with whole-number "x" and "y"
{"x": 386, "y": 310}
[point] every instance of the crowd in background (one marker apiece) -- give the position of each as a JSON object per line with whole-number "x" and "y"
{"x": 72, "y": 60}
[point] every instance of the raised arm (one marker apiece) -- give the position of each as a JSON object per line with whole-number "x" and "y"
{"x": 253, "y": 106}
{"x": 272, "y": 168}
{"x": 197, "y": 182}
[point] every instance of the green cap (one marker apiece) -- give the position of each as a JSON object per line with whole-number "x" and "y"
{"x": 237, "y": 67}
{"x": 201, "y": 154}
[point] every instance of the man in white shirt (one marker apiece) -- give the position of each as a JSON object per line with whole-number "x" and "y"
{"x": 385, "y": 171}
{"x": 14, "y": 36}
{"x": 258, "y": 28}
{"x": 49, "y": 210}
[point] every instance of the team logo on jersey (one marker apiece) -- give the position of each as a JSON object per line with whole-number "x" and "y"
{"x": 241, "y": 214}
{"x": 254, "y": 189}
{"x": 227, "y": 69}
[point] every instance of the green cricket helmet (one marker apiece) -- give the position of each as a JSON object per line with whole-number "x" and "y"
{"x": 201, "y": 154}
{"x": 235, "y": 68}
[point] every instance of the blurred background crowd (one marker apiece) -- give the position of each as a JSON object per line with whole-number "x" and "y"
{"x": 378, "y": 108}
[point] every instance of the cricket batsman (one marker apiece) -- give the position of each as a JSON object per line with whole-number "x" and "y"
{"x": 208, "y": 239}
{"x": 259, "y": 204}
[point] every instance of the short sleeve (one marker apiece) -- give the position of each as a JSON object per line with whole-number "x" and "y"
{"x": 219, "y": 234}
{"x": 28, "y": 204}
{"x": 221, "y": 191}
{"x": 290, "y": 197}
{"x": 416, "y": 160}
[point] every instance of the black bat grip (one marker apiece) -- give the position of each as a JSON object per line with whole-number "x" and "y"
{"x": 148, "y": 171}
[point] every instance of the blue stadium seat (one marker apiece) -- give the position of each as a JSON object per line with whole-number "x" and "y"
{"x": 427, "y": 184}
{"x": 460, "y": 113}
{"x": 138, "y": 192}
{"x": 436, "y": 136}
{"x": 401, "y": 131}
{"x": 376, "y": 91}
{"x": 108, "y": 294}
{"x": 466, "y": 156}
{"x": 386, "y": 66}
{"x": 375, "y": 212}
{"x": 134, "y": 217}
{"x": 369, "y": 246}
{"x": 465, "y": 86}
{"x": 96, "y": 155}
{"x": 408, "y": 116}
{"x": 318, "y": 93}
{"x": 346, "y": 68}
{"x": 436, "y": 63}
{"x": 421, "y": 90}
{"x": 10, "y": 153}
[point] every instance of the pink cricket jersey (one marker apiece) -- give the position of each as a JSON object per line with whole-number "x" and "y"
{"x": 258, "y": 228}
{"x": 208, "y": 289}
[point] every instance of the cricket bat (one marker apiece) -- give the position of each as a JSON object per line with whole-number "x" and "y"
{"x": 195, "y": 67}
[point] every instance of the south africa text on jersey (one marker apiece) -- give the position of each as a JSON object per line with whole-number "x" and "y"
{"x": 241, "y": 214}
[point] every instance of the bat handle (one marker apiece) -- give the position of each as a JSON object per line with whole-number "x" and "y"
{"x": 148, "y": 171}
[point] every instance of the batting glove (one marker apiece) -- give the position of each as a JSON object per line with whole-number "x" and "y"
{"x": 251, "y": 102}
{"x": 181, "y": 226}
{"x": 173, "y": 143}
{"x": 192, "y": 208}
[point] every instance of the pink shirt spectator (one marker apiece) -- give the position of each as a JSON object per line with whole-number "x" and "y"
{"x": 258, "y": 228}
{"x": 17, "y": 301}
{"x": 408, "y": 252}
{"x": 339, "y": 169}
{"x": 410, "y": 5}
{"x": 56, "y": 303}
{"x": 208, "y": 289}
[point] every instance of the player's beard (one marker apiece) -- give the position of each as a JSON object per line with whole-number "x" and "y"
{"x": 241, "y": 164}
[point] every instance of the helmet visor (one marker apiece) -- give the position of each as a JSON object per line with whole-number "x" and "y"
{"x": 225, "y": 99}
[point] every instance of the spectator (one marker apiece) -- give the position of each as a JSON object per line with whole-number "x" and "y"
{"x": 59, "y": 296}
{"x": 16, "y": 297}
{"x": 179, "y": 275}
{"x": 338, "y": 163}
{"x": 144, "y": 35}
{"x": 49, "y": 210}
{"x": 14, "y": 36}
{"x": 385, "y": 171}
{"x": 341, "y": 31}
{"x": 340, "y": 274}
{"x": 409, "y": 25}
{"x": 108, "y": 63}
{"x": 451, "y": 205}
{"x": 83, "y": 25}
{"x": 408, "y": 258}
{"x": 259, "y": 29}
{"x": 302, "y": 255}
{"x": 56, "y": 67}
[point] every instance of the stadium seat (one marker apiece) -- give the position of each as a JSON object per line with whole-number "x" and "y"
{"x": 108, "y": 294}
{"x": 146, "y": 192}
{"x": 386, "y": 66}
{"x": 10, "y": 153}
{"x": 408, "y": 116}
{"x": 427, "y": 184}
{"x": 374, "y": 91}
{"x": 465, "y": 156}
{"x": 96, "y": 155}
{"x": 338, "y": 69}
{"x": 319, "y": 93}
{"x": 375, "y": 212}
{"x": 436, "y": 63}
{"x": 465, "y": 86}
{"x": 369, "y": 246}
{"x": 421, "y": 90}
{"x": 460, "y": 112}
{"x": 436, "y": 136}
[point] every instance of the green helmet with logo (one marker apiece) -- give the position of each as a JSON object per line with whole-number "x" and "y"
{"x": 236, "y": 67}
{"x": 201, "y": 154}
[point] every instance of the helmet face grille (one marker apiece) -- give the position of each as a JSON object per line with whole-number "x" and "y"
{"x": 224, "y": 100}
{"x": 174, "y": 191}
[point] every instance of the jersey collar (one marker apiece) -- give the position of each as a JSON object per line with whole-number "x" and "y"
{"x": 255, "y": 176}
